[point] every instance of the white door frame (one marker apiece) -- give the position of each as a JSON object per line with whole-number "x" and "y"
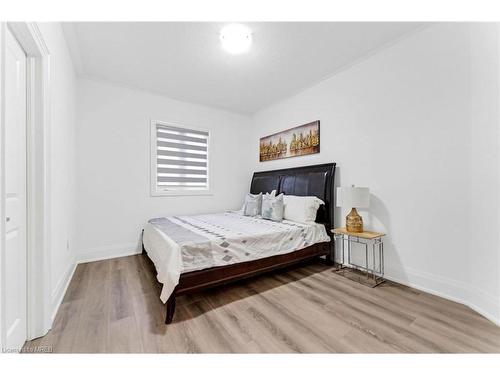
{"x": 39, "y": 319}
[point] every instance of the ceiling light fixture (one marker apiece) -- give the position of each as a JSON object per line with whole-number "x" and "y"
{"x": 236, "y": 38}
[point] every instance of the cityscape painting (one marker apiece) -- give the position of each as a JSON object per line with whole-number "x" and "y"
{"x": 298, "y": 141}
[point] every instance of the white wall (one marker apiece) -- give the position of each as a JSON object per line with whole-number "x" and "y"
{"x": 484, "y": 254}
{"x": 399, "y": 122}
{"x": 113, "y": 164}
{"x": 62, "y": 159}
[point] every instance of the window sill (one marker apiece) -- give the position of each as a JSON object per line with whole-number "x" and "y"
{"x": 174, "y": 193}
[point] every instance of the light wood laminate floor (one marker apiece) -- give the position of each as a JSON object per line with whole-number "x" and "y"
{"x": 113, "y": 306}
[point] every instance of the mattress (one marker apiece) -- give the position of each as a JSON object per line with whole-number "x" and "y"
{"x": 180, "y": 244}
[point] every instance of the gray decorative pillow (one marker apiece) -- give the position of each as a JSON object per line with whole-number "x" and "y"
{"x": 272, "y": 207}
{"x": 253, "y": 204}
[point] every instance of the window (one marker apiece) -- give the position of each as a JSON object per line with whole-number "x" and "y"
{"x": 179, "y": 160}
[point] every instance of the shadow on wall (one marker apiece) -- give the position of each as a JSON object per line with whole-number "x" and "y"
{"x": 338, "y": 221}
{"x": 379, "y": 212}
{"x": 337, "y": 218}
{"x": 139, "y": 242}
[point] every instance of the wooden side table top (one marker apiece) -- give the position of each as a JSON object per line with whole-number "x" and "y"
{"x": 366, "y": 234}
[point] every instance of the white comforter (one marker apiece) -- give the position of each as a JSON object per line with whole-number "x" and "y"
{"x": 180, "y": 244}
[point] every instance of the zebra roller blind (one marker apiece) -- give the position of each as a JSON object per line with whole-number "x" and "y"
{"x": 181, "y": 159}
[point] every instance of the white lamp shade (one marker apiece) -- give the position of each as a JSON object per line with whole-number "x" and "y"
{"x": 349, "y": 197}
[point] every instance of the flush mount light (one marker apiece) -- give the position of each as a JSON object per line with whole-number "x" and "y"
{"x": 236, "y": 38}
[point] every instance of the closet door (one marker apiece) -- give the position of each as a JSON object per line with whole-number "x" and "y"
{"x": 15, "y": 190}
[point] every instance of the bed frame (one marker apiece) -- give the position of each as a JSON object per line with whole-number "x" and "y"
{"x": 314, "y": 180}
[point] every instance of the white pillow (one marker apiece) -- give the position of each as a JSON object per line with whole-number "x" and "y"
{"x": 272, "y": 194}
{"x": 272, "y": 207}
{"x": 301, "y": 209}
{"x": 253, "y": 204}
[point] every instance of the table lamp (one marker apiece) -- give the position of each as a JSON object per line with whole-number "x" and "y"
{"x": 354, "y": 197}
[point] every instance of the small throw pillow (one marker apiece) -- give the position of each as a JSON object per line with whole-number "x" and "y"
{"x": 273, "y": 193}
{"x": 272, "y": 207}
{"x": 253, "y": 204}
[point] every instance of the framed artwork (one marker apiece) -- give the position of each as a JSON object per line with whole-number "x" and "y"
{"x": 298, "y": 141}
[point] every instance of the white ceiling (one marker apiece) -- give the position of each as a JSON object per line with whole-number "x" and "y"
{"x": 185, "y": 61}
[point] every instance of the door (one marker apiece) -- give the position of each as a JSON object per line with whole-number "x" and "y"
{"x": 15, "y": 193}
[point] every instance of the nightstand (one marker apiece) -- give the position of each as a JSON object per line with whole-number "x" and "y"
{"x": 371, "y": 273}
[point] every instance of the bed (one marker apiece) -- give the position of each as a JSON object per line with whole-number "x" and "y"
{"x": 193, "y": 253}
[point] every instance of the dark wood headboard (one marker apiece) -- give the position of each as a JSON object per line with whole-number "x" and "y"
{"x": 313, "y": 180}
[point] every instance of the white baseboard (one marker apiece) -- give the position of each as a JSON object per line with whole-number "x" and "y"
{"x": 60, "y": 290}
{"x": 101, "y": 253}
{"x": 108, "y": 252}
{"x": 483, "y": 303}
